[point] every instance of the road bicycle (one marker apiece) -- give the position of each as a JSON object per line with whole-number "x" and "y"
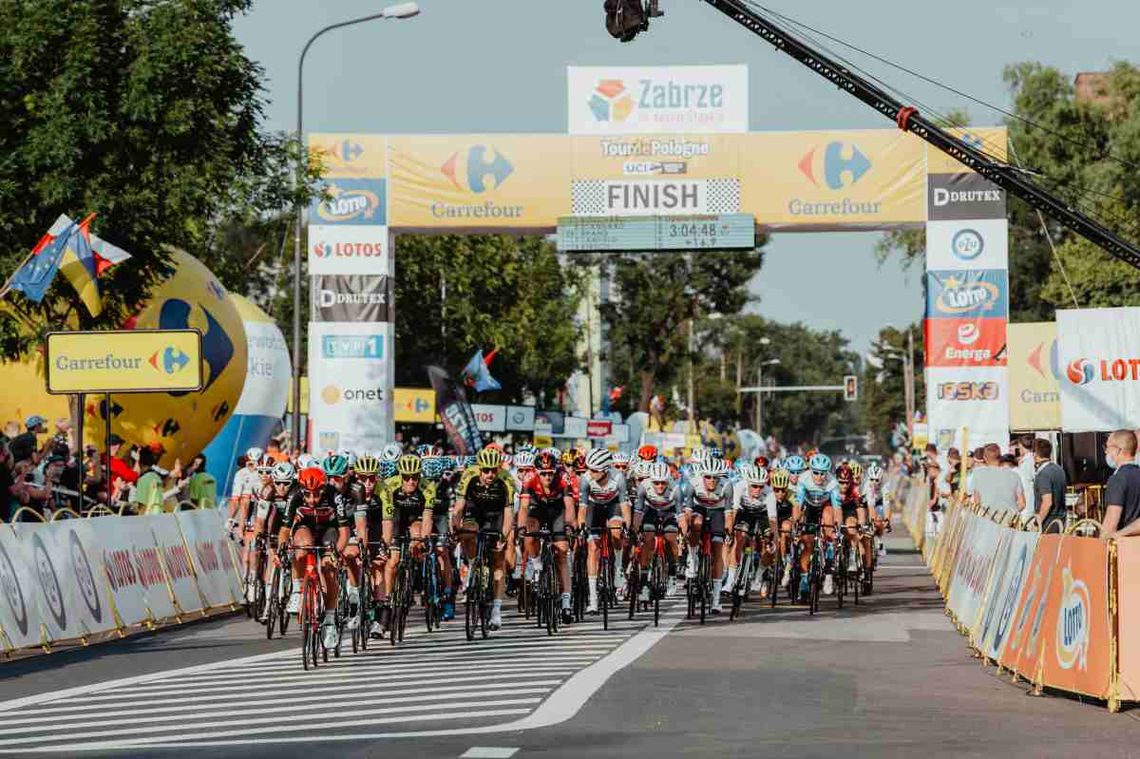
{"x": 699, "y": 588}
{"x": 430, "y": 585}
{"x": 479, "y": 590}
{"x": 280, "y": 587}
{"x": 312, "y": 610}
{"x": 545, "y": 584}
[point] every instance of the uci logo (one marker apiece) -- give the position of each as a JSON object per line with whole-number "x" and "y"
{"x": 1080, "y": 371}
{"x": 611, "y": 101}
{"x": 469, "y": 170}
{"x": 843, "y": 165}
{"x": 348, "y": 204}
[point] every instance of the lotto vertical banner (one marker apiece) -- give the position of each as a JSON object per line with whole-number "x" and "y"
{"x": 967, "y": 308}
{"x": 1034, "y": 386}
{"x": 1099, "y": 354}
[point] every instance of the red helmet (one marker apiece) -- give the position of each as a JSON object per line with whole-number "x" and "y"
{"x": 647, "y": 453}
{"x": 761, "y": 462}
{"x": 580, "y": 462}
{"x": 843, "y": 473}
{"x": 311, "y": 478}
{"x": 546, "y": 460}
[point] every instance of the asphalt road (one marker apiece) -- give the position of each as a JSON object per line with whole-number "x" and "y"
{"x": 890, "y": 677}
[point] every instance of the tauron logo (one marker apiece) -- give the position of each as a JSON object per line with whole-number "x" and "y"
{"x": 843, "y": 165}
{"x": 1080, "y": 371}
{"x": 468, "y": 170}
{"x": 611, "y": 101}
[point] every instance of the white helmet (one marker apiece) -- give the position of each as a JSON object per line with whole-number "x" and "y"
{"x": 391, "y": 452}
{"x": 713, "y": 468}
{"x": 621, "y": 457}
{"x": 306, "y": 460}
{"x": 254, "y": 454}
{"x": 752, "y": 474}
{"x": 524, "y": 460}
{"x": 658, "y": 472}
{"x": 284, "y": 472}
{"x": 874, "y": 472}
{"x": 599, "y": 459}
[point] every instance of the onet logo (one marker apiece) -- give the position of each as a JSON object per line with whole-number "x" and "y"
{"x": 348, "y": 204}
{"x": 169, "y": 360}
{"x": 839, "y": 158}
{"x": 611, "y": 101}
{"x": 468, "y": 170}
{"x": 1080, "y": 371}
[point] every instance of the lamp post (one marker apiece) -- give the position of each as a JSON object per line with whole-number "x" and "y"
{"x": 398, "y": 11}
{"x": 760, "y": 391}
{"x": 907, "y": 358}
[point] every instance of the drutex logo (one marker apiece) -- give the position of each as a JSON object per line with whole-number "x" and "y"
{"x": 1083, "y": 371}
{"x": 1073, "y": 623}
{"x": 843, "y": 165}
{"x": 348, "y": 204}
{"x": 478, "y": 170}
{"x": 168, "y": 360}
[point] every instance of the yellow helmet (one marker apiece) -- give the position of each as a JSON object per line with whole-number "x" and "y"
{"x": 779, "y": 479}
{"x": 409, "y": 465}
{"x": 367, "y": 465}
{"x": 857, "y": 471}
{"x": 489, "y": 458}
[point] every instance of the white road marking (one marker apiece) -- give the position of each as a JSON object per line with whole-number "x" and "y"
{"x": 489, "y": 752}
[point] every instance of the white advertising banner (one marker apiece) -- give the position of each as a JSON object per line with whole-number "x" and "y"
{"x": 351, "y": 374}
{"x": 268, "y": 375}
{"x": 972, "y": 398}
{"x": 656, "y": 99}
{"x": 1099, "y": 358}
{"x": 968, "y": 244}
{"x": 348, "y": 249}
{"x": 575, "y": 427}
{"x": 213, "y": 556}
{"x": 1005, "y": 591}
{"x": 490, "y": 418}
{"x": 134, "y": 570}
{"x": 520, "y": 418}
{"x": 176, "y": 561}
{"x": 20, "y": 616}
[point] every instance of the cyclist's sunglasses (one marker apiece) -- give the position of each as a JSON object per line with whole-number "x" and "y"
{"x": 312, "y": 495}
{"x": 366, "y": 479}
{"x": 545, "y": 472}
{"x": 779, "y": 490}
{"x": 488, "y": 469}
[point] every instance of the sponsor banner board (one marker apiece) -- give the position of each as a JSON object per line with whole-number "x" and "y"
{"x": 361, "y": 202}
{"x": 123, "y": 361}
{"x": 552, "y": 422}
{"x": 351, "y": 155}
{"x": 656, "y": 99}
{"x": 1023, "y": 647}
{"x": 599, "y": 428}
{"x": 352, "y": 298}
{"x": 619, "y": 434}
{"x": 414, "y": 404}
{"x": 20, "y": 616}
{"x": 654, "y": 197}
{"x": 350, "y": 385}
{"x": 969, "y": 293}
{"x": 991, "y": 140}
{"x": 973, "y": 566}
{"x": 1034, "y": 377}
{"x": 490, "y": 418}
{"x": 971, "y": 398}
{"x": 1128, "y": 617}
{"x": 134, "y": 570}
{"x": 1099, "y": 359}
{"x": 268, "y": 373}
{"x": 965, "y": 342}
{"x": 634, "y": 156}
{"x": 520, "y": 418}
{"x": 348, "y": 249}
{"x": 1009, "y": 576}
{"x": 969, "y": 244}
{"x": 723, "y": 231}
{"x": 963, "y": 196}
{"x": 574, "y": 427}
{"x": 212, "y": 555}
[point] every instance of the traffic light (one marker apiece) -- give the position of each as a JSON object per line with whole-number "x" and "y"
{"x": 850, "y": 388}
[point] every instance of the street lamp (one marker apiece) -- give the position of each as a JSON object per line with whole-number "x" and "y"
{"x": 398, "y": 11}
{"x": 907, "y": 358}
{"x": 760, "y": 389}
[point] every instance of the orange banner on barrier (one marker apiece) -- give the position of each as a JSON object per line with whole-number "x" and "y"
{"x": 1022, "y": 652}
{"x": 1076, "y": 655}
{"x": 1128, "y": 616}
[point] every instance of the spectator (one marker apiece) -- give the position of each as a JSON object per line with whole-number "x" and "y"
{"x": 1048, "y": 485}
{"x": 24, "y": 446}
{"x": 201, "y": 487}
{"x": 273, "y": 450}
{"x": 1027, "y": 470}
{"x": 122, "y": 473}
{"x": 8, "y": 503}
{"x": 995, "y": 487}
{"x": 1122, "y": 492}
{"x": 148, "y": 495}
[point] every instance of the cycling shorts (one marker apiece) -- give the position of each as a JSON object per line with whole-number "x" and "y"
{"x": 598, "y": 516}
{"x": 714, "y": 521}
{"x": 652, "y": 520}
{"x": 850, "y": 510}
{"x": 755, "y": 522}
{"x": 483, "y": 520}
{"x": 550, "y": 517}
{"x": 324, "y": 533}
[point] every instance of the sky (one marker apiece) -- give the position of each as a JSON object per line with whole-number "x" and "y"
{"x": 486, "y": 66}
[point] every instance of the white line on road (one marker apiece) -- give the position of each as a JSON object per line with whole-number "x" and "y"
{"x": 489, "y": 752}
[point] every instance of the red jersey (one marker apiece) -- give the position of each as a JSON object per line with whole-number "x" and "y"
{"x": 549, "y": 495}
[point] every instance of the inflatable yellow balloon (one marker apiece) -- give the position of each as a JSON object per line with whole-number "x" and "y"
{"x": 181, "y": 423}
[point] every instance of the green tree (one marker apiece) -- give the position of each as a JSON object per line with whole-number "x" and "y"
{"x": 456, "y": 294}
{"x": 147, "y": 112}
{"x": 882, "y": 398}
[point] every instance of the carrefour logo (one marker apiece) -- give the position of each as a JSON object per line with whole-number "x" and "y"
{"x": 347, "y": 204}
{"x": 477, "y": 169}
{"x": 843, "y": 165}
{"x": 611, "y": 101}
{"x": 1082, "y": 371}
{"x": 169, "y": 360}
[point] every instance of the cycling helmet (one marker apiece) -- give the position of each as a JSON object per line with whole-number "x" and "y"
{"x": 820, "y": 462}
{"x": 795, "y": 464}
{"x": 311, "y": 478}
{"x": 557, "y": 454}
{"x": 433, "y": 467}
{"x": 489, "y": 458}
{"x": 569, "y": 455}
{"x": 647, "y": 452}
{"x": 254, "y": 454}
{"x": 580, "y": 462}
{"x": 714, "y": 467}
{"x": 367, "y": 465}
{"x": 306, "y": 460}
{"x": 776, "y": 464}
{"x": 762, "y": 462}
{"x": 658, "y": 472}
{"x": 284, "y": 472}
{"x": 599, "y": 459}
{"x": 391, "y": 451}
{"x": 349, "y": 456}
{"x": 335, "y": 465}
{"x": 874, "y": 473}
{"x": 467, "y": 461}
{"x": 423, "y": 449}
{"x": 621, "y": 458}
{"x": 844, "y": 473}
{"x": 779, "y": 479}
{"x": 857, "y": 471}
{"x": 546, "y": 460}
{"x": 754, "y": 475}
{"x": 409, "y": 465}
{"x": 266, "y": 463}
{"x": 524, "y": 460}
{"x": 526, "y": 448}
{"x": 641, "y": 469}
{"x": 387, "y": 468}
{"x": 508, "y": 459}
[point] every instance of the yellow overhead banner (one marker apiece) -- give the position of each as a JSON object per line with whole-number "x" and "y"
{"x": 991, "y": 140}
{"x": 125, "y": 361}
{"x": 356, "y": 156}
{"x": 414, "y": 404}
{"x": 1034, "y": 392}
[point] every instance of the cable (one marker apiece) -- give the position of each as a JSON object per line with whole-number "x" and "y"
{"x": 948, "y": 88}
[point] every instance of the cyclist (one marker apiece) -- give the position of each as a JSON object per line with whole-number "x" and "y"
{"x": 660, "y": 501}
{"x": 604, "y": 502}
{"x": 448, "y": 481}
{"x": 784, "y": 511}
{"x": 408, "y": 504}
{"x": 796, "y": 466}
{"x": 749, "y": 521}
{"x": 246, "y": 484}
{"x": 818, "y": 497}
{"x": 874, "y": 497}
{"x": 255, "y": 513}
{"x": 368, "y": 515}
{"x": 311, "y": 520}
{"x": 483, "y": 504}
{"x": 711, "y": 497}
{"x": 851, "y": 503}
{"x": 546, "y": 501}
{"x": 276, "y": 501}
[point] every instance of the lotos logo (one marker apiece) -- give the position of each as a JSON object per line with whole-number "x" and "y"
{"x": 1073, "y": 623}
{"x": 322, "y": 249}
{"x": 169, "y": 360}
{"x": 839, "y": 159}
{"x": 1080, "y": 371}
{"x": 347, "y": 204}
{"x": 968, "y": 333}
{"x": 611, "y": 101}
{"x": 468, "y": 170}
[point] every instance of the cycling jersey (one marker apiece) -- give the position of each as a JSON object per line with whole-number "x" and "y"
{"x": 873, "y": 497}
{"x": 659, "y": 511}
{"x": 322, "y": 514}
{"x": 813, "y": 498}
{"x": 781, "y": 511}
{"x": 246, "y": 482}
{"x": 403, "y": 507}
{"x": 717, "y": 499}
{"x": 370, "y": 510}
{"x": 485, "y": 503}
{"x": 603, "y": 500}
{"x": 547, "y": 503}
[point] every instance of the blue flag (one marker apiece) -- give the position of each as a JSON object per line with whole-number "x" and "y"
{"x": 35, "y": 277}
{"x": 477, "y": 375}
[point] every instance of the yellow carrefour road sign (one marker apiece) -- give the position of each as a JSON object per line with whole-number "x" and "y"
{"x": 413, "y": 404}
{"x": 125, "y": 361}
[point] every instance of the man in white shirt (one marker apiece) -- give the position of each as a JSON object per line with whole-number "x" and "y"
{"x": 1027, "y": 470}
{"x": 995, "y": 487}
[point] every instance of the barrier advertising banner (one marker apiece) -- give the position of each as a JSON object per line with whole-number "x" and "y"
{"x": 20, "y": 617}
{"x": 975, "y": 562}
{"x": 1099, "y": 357}
{"x": 1023, "y": 647}
{"x": 1128, "y": 616}
{"x": 1006, "y": 591}
{"x": 351, "y": 374}
{"x": 134, "y": 571}
{"x": 656, "y": 99}
{"x": 212, "y": 556}
{"x": 1034, "y": 386}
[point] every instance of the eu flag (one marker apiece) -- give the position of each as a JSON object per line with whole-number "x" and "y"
{"x": 35, "y": 276}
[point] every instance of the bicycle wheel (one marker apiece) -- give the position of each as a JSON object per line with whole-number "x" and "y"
{"x": 657, "y": 588}
{"x": 774, "y": 581}
{"x": 364, "y": 610}
{"x": 632, "y": 586}
{"x": 283, "y": 601}
{"x": 549, "y": 582}
{"x": 603, "y": 591}
{"x": 704, "y": 586}
{"x": 471, "y": 613}
{"x": 271, "y": 604}
{"x": 399, "y": 587}
{"x": 427, "y": 598}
